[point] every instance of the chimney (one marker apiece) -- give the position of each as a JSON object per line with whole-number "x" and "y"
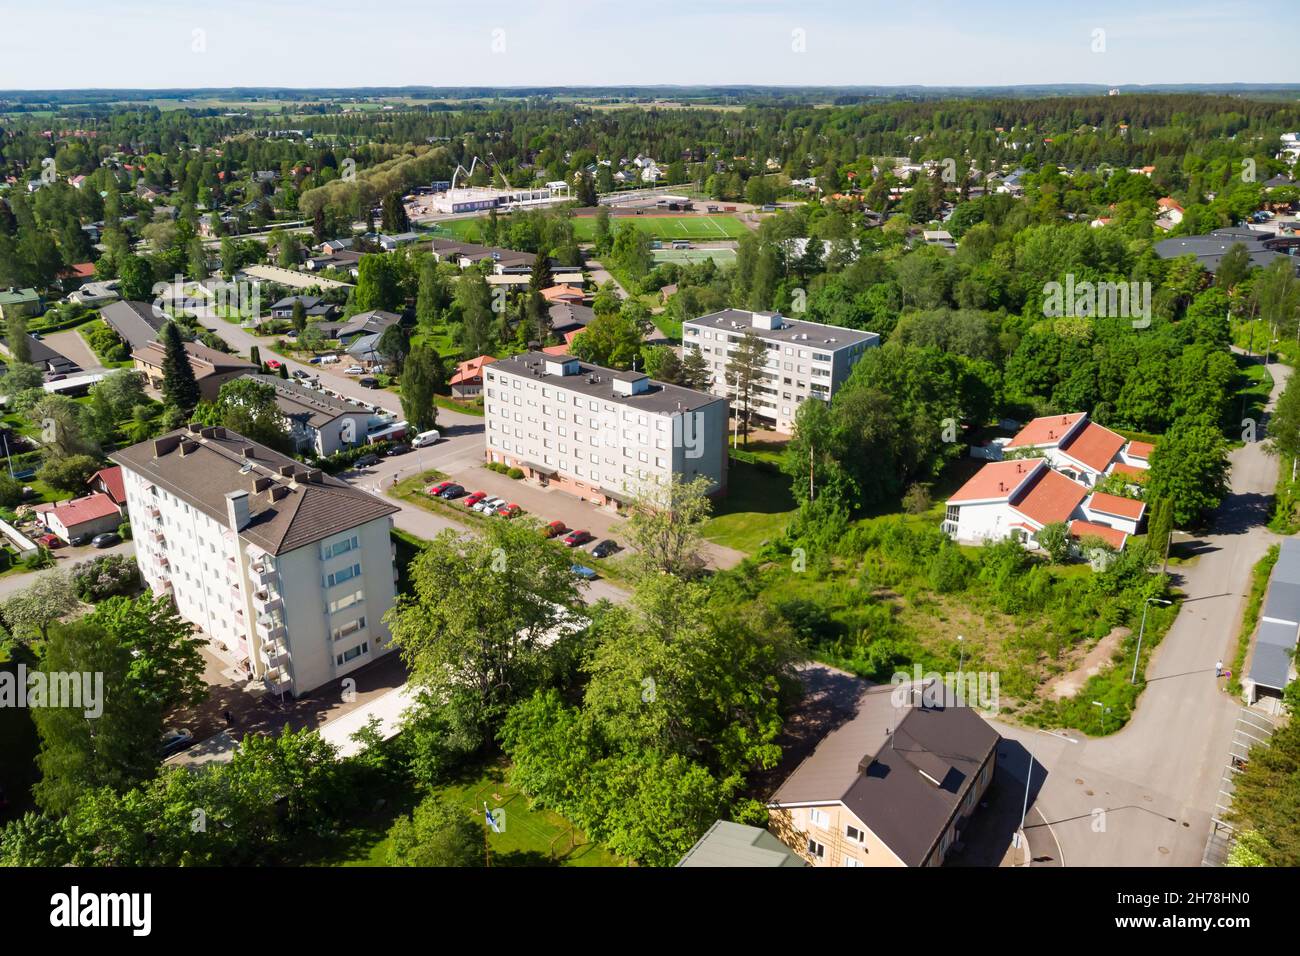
{"x": 249, "y": 452}
{"x": 237, "y": 509}
{"x": 315, "y": 476}
{"x": 277, "y": 492}
{"x": 286, "y": 471}
{"x": 187, "y": 446}
{"x": 261, "y": 483}
{"x": 195, "y": 427}
{"x": 168, "y": 443}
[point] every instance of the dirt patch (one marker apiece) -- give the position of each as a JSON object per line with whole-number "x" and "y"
{"x": 1093, "y": 663}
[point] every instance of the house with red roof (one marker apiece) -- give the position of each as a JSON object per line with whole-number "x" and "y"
{"x": 468, "y": 380}
{"x": 1078, "y": 447}
{"x": 91, "y": 514}
{"x": 1123, "y": 514}
{"x": 109, "y": 482}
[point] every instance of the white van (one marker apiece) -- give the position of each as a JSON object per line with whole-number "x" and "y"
{"x": 425, "y": 439}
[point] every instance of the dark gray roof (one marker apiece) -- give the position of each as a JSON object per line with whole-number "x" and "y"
{"x": 306, "y": 511}
{"x": 136, "y": 323}
{"x": 594, "y": 382}
{"x": 904, "y": 784}
{"x": 41, "y": 354}
{"x": 566, "y": 316}
{"x": 1275, "y": 642}
{"x": 791, "y": 331}
{"x": 1210, "y": 248}
{"x": 1270, "y": 664}
{"x": 306, "y": 404}
{"x": 1283, "y": 602}
{"x": 734, "y": 844}
{"x": 204, "y": 360}
{"x": 363, "y": 323}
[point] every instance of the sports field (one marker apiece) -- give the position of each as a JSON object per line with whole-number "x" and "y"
{"x": 667, "y": 227}
{"x": 722, "y": 256}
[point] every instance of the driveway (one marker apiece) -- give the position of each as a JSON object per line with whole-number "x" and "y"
{"x": 71, "y": 344}
{"x": 64, "y": 559}
{"x": 1144, "y": 795}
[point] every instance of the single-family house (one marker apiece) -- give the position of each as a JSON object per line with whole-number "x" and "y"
{"x": 468, "y": 380}
{"x": 136, "y": 323}
{"x": 91, "y": 514}
{"x": 211, "y": 368}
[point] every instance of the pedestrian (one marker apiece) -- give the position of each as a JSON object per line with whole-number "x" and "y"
{"x": 230, "y": 718}
{"x": 1218, "y": 668}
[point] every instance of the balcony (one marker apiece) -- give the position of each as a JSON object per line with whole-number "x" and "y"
{"x": 157, "y": 537}
{"x": 274, "y": 654}
{"x": 269, "y": 628}
{"x": 262, "y": 573}
{"x": 235, "y": 592}
{"x": 266, "y": 601}
{"x": 278, "y": 678}
{"x": 154, "y": 512}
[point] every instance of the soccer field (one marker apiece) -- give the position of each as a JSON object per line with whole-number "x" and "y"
{"x": 722, "y": 256}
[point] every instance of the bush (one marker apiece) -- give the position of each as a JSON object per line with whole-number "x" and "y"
{"x": 342, "y": 460}
{"x": 69, "y": 474}
{"x": 105, "y": 576}
{"x": 11, "y": 491}
{"x": 515, "y": 473}
{"x": 124, "y": 529}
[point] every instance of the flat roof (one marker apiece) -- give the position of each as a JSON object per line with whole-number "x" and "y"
{"x": 1270, "y": 664}
{"x": 791, "y": 331}
{"x": 595, "y": 382}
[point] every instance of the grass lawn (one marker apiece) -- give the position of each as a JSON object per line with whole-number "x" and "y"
{"x": 756, "y": 509}
{"x": 530, "y": 837}
{"x": 713, "y": 228}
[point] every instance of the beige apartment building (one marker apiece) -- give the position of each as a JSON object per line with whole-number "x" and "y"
{"x": 600, "y": 433}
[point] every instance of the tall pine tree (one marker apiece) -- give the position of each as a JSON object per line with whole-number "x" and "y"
{"x": 180, "y": 388}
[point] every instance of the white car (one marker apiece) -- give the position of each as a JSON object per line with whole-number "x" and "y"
{"x": 490, "y": 505}
{"x": 354, "y": 370}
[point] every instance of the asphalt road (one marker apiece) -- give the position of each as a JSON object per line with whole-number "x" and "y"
{"x": 1144, "y": 796}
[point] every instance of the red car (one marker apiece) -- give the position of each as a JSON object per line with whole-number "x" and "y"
{"x": 474, "y": 499}
{"x": 50, "y": 541}
{"x": 273, "y": 363}
{"x": 575, "y": 538}
{"x": 554, "y": 529}
{"x": 510, "y": 511}
{"x": 436, "y": 490}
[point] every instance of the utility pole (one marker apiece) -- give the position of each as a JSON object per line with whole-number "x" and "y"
{"x": 811, "y": 489}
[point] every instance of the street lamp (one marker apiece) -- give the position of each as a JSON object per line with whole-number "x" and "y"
{"x": 1104, "y": 711}
{"x": 1138, "y": 653}
{"x": 1024, "y": 810}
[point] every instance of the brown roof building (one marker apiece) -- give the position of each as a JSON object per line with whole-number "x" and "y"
{"x": 212, "y": 369}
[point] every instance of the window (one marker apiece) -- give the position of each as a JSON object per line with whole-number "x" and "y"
{"x": 345, "y": 574}
{"x": 353, "y": 653}
{"x": 854, "y": 834}
{"x": 851, "y": 862}
{"x": 339, "y": 547}
{"x": 816, "y": 849}
{"x": 819, "y": 818}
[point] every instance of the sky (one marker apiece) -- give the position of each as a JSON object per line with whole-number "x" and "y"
{"x": 69, "y": 44}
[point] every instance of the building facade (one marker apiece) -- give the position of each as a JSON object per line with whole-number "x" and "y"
{"x": 288, "y": 569}
{"x": 600, "y": 433}
{"x": 804, "y": 359}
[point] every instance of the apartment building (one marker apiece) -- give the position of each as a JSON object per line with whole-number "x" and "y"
{"x": 805, "y": 359}
{"x": 288, "y": 569}
{"x": 893, "y": 786}
{"x": 600, "y": 433}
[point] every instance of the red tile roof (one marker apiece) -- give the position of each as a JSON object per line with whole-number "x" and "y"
{"x": 80, "y": 510}
{"x": 1047, "y": 430}
{"x": 1141, "y": 449}
{"x": 1115, "y": 505}
{"x": 1049, "y": 497}
{"x": 113, "y": 483}
{"x": 1094, "y": 446}
{"x": 558, "y": 349}
{"x": 1086, "y": 529}
{"x": 470, "y": 370}
{"x": 561, "y": 293}
{"x": 997, "y": 480}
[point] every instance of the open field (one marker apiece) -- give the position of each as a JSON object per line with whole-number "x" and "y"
{"x": 722, "y": 256}
{"x": 756, "y": 509}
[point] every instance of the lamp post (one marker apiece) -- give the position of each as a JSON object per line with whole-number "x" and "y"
{"x": 1104, "y": 711}
{"x": 1024, "y": 809}
{"x": 1141, "y": 630}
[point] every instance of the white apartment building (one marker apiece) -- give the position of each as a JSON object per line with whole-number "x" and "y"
{"x": 805, "y": 359}
{"x": 600, "y": 433}
{"x": 288, "y": 569}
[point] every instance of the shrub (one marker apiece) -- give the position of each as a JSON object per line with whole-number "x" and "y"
{"x": 105, "y": 576}
{"x": 515, "y": 473}
{"x": 11, "y": 491}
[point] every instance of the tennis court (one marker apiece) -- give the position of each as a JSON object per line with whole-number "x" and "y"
{"x": 722, "y": 256}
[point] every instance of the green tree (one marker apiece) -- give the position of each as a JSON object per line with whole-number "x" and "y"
{"x": 474, "y": 627}
{"x": 1190, "y": 467}
{"x": 1054, "y": 538}
{"x": 180, "y": 388}
{"x": 665, "y": 523}
{"x": 437, "y": 833}
{"x": 744, "y": 375}
{"x": 249, "y": 407}
{"x": 611, "y": 340}
{"x": 20, "y": 346}
{"x": 422, "y": 378}
{"x": 299, "y": 317}
{"x": 378, "y": 284}
{"x": 136, "y": 276}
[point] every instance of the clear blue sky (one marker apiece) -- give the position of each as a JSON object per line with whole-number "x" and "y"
{"x": 60, "y": 44}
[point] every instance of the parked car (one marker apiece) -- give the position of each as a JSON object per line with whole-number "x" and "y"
{"x": 399, "y": 449}
{"x": 354, "y": 370}
{"x": 474, "y": 499}
{"x": 79, "y": 540}
{"x": 489, "y": 505}
{"x": 174, "y": 741}
{"x": 511, "y": 510}
{"x": 439, "y": 488}
{"x": 452, "y": 492}
{"x": 50, "y": 540}
{"x": 575, "y": 538}
{"x": 365, "y": 461}
{"x": 605, "y": 548}
{"x": 368, "y": 382}
{"x": 586, "y": 573}
{"x": 299, "y": 373}
{"x": 273, "y": 364}
{"x": 555, "y": 529}
{"x": 314, "y": 360}
{"x": 106, "y": 540}
{"x": 425, "y": 439}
